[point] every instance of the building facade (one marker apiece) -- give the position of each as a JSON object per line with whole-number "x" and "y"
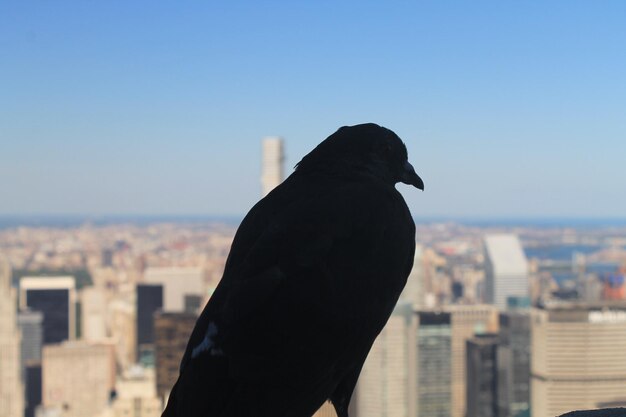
{"x": 93, "y": 313}
{"x": 514, "y": 363}
{"x": 578, "y": 357}
{"x": 136, "y": 395}
{"x": 11, "y": 387}
{"x": 482, "y": 376}
{"x": 184, "y": 288}
{"x": 506, "y": 269}
{"x": 466, "y": 321}
{"x": 31, "y": 327}
{"x": 149, "y": 301}
{"x": 433, "y": 363}
{"x": 78, "y": 377}
{"x": 55, "y": 297}
{"x": 33, "y": 388}
{"x": 386, "y": 384}
{"x": 171, "y": 333}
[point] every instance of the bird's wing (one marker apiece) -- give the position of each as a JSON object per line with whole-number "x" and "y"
{"x": 311, "y": 279}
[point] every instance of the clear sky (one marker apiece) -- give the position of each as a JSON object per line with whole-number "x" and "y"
{"x": 508, "y": 109}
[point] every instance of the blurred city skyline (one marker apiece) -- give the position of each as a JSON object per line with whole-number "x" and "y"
{"x": 118, "y": 301}
{"x": 508, "y": 110}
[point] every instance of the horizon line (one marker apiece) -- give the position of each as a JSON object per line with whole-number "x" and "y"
{"x": 230, "y": 218}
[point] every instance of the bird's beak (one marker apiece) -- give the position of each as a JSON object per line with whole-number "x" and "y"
{"x": 410, "y": 177}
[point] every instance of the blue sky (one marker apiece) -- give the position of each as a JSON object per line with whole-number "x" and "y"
{"x": 508, "y": 109}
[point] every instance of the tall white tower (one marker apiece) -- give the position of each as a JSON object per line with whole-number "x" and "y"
{"x": 272, "y": 165}
{"x": 506, "y": 269}
{"x": 11, "y": 388}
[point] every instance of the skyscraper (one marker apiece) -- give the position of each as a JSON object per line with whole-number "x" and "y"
{"x": 149, "y": 301}
{"x": 184, "y": 289}
{"x": 31, "y": 327}
{"x": 171, "y": 333}
{"x": 11, "y": 388}
{"x": 55, "y": 297}
{"x": 272, "y": 164}
{"x": 506, "y": 269}
{"x": 578, "y": 358}
{"x": 514, "y": 362}
{"x": 466, "y": 321}
{"x": 417, "y": 365}
{"x": 78, "y": 377}
{"x": 386, "y": 384}
{"x": 482, "y": 376}
{"x": 93, "y": 313}
{"x": 33, "y": 388}
{"x": 434, "y": 372}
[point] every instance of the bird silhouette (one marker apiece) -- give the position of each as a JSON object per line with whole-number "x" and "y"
{"x": 314, "y": 272}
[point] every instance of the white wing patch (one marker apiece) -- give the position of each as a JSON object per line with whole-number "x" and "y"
{"x": 207, "y": 344}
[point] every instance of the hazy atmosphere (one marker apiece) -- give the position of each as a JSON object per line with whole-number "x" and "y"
{"x": 507, "y": 109}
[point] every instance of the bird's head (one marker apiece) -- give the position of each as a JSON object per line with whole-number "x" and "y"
{"x": 365, "y": 148}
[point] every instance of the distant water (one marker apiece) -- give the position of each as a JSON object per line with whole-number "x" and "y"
{"x": 600, "y": 269}
{"x": 559, "y": 252}
{"x": 603, "y": 268}
{"x": 565, "y": 253}
{"x": 548, "y": 222}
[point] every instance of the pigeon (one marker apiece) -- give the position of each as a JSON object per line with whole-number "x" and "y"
{"x": 314, "y": 272}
